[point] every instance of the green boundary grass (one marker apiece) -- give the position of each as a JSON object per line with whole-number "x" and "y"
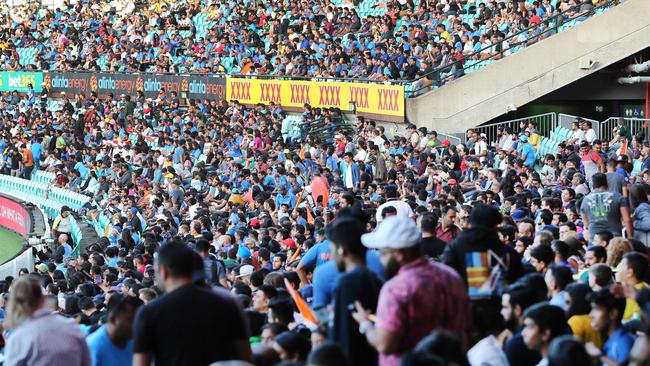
{"x": 10, "y": 244}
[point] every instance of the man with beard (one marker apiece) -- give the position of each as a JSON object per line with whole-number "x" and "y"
{"x": 358, "y": 283}
{"x": 513, "y": 305}
{"x": 406, "y": 310}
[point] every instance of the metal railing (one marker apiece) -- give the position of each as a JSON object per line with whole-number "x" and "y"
{"x": 469, "y": 63}
{"x": 454, "y": 139}
{"x": 635, "y": 125}
{"x": 545, "y": 124}
{"x": 566, "y": 121}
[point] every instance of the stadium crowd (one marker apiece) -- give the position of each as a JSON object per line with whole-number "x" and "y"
{"x": 394, "y": 40}
{"x": 230, "y": 237}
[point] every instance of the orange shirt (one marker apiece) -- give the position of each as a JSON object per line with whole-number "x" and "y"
{"x": 28, "y": 158}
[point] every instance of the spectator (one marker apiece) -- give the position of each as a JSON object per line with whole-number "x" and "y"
{"x": 211, "y": 317}
{"x": 357, "y": 285}
{"x": 38, "y": 336}
{"x": 111, "y": 344}
{"x": 398, "y": 327}
{"x": 542, "y": 324}
{"x": 605, "y": 211}
{"x": 607, "y": 308}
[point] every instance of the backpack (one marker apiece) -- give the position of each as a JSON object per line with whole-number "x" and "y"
{"x": 213, "y": 265}
{"x": 486, "y": 272}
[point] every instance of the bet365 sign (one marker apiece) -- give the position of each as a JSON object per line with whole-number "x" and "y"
{"x": 19, "y": 81}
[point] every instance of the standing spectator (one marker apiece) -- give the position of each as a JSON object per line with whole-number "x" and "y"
{"x": 605, "y": 211}
{"x": 111, "y": 344}
{"x": 640, "y": 213}
{"x": 38, "y": 336}
{"x": 592, "y": 163}
{"x": 357, "y": 284}
{"x": 188, "y": 325}
{"x": 430, "y": 245}
{"x": 28, "y": 161}
{"x": 406, "y": 311}
{"x": 447, "y": 230}
{"x": 63, "y": 224}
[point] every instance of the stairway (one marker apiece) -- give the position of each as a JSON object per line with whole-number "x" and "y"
{"x": 535, "y": 71}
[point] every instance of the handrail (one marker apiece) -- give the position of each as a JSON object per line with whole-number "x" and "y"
{"x": 462, "y": 60}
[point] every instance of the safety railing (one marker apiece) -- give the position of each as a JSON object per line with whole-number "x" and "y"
{"x": 455, "y": 69}
{"x": 635, "y": 126}
{"x": 545, "y": 124}
{"x": 567, "y": 120}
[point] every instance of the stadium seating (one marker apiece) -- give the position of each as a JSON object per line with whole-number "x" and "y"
{"x": 34, "y": 191}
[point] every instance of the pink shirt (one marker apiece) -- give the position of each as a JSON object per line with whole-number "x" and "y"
{"x": 422, "y": 297}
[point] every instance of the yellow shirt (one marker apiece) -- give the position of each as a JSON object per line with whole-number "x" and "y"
{"x": 632, "y": 309}
{"x": 446, "y": 36}
{"x": 581, "y": 327}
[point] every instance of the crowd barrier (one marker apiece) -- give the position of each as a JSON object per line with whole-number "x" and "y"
{"x": 17, "y": 215}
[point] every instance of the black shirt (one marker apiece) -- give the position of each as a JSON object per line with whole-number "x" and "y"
{"x": 432, "y": 246}
{"x": 361, "y": 285}
{"x": 190, "y": 326}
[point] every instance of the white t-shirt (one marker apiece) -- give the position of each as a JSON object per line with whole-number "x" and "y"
{"x": 590, "y": 135}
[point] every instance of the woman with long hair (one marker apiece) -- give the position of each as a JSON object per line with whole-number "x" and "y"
{"x": 578, "y": 313}
{"x": 640, "y": 212}
{"x": 38, "y": 336}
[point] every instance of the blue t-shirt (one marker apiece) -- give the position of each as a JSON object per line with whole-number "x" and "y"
{"x": 317, "y": 255}
{"x": 325, "y": 277}
{"x": 104, "y": 353}
{"x": 619, "y": 345}
{"x": 529, "y": 152}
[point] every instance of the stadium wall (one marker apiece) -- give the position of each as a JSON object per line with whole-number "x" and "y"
{"x": 26, "y": 220}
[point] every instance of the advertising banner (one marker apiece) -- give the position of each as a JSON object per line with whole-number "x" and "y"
{"x": 18, "y": 81}
{"x": 14, "y": 216}
{"x": 191, "y": 86}
{"x": 379, "y": 101}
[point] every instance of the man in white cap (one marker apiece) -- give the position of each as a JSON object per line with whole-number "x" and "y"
{"x": 419, "y": 297}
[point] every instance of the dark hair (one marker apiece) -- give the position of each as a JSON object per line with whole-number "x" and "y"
{"x": 119, "y": 304}
{"x": 327, "y": 354}
{"x": 606, "y": 299}
{"x": 444, "y": 345}
{"x": 599, "y": 252}
{"x": 388, "y": 210}
{"x": 567, "y": 350}
{"x": 428, "y": 222}
{"x": 293, "y": 344}
{"x": 543, "y": 253}
{"x": 561, "y": 248}
{"x": 602, "y": 274}
{"x": 485, "y": 216}
{"x": 605, "y": 236}
{"x": 599, "y": 180}
{"x": 638, "y": 263}
{"x": 177, "y": 258}
{"x": 548, "y": 317}
{"x": 282, "y": 309}
{"x": 638, "y": 195}
{"x": 579, "y": 303}
{"x": 346, "y": 233}
{"x": 521, "y": 295}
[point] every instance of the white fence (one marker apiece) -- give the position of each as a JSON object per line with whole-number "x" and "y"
{"x": 545, "y": 124}
{"x": 635, "y": 125}
{"x": 566, "y": 120}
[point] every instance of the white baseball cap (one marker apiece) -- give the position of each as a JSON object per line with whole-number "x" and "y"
{"x": 395, "y": 232}
{"x": 246, "y": 270}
